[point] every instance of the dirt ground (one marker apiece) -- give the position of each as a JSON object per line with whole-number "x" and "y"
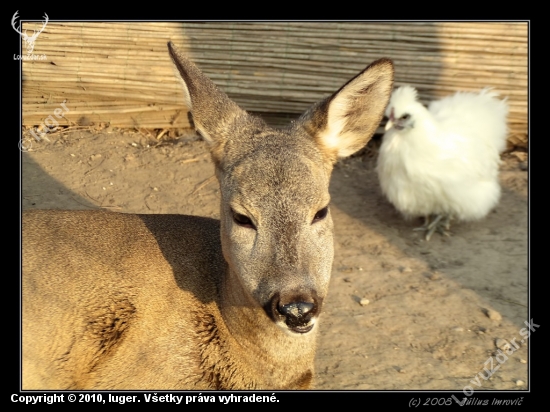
{"x": 402, "y": 313}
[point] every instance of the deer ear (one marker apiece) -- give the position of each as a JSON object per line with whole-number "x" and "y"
{"x": 212, "y": 110}
{"x": 344, "y": 122}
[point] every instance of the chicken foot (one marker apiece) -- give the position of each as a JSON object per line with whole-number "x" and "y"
{"x": 440, "y": 223}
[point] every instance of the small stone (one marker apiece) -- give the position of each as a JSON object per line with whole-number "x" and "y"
{"x": 519, "y": 382}
{"x": 522, "y": 361}
{"x": 404, "y": 269}
{"x": 493, "y": 315}
{"x": 364, "y": 302}
{"x": 502, "y": 344}
{"x": 457, "y": 329}
{"x": 434, "y": 276}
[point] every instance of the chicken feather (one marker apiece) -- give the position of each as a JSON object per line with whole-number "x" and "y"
{"x": 443, "y": 160}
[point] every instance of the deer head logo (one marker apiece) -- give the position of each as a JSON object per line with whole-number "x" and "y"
{"x": 29, "y": 40}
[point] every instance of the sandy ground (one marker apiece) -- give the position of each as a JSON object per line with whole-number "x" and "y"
{"x": 402, "y": 313}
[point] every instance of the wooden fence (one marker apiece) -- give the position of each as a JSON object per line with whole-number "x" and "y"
{"x": 120, "y": 73}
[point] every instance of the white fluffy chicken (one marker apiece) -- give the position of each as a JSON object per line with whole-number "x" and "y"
{"x": 441, "y": 162}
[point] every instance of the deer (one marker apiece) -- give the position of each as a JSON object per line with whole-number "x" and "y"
{"x": 29, "y": 40}
{"x": 113, "y": 300}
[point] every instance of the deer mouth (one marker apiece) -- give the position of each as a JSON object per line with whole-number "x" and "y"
{"x": 301, "y": 329}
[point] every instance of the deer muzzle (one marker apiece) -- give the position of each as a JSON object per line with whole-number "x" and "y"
{"x": 296, "y": 312}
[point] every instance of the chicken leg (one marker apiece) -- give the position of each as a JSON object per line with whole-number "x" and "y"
{"x": 440, "y": 223}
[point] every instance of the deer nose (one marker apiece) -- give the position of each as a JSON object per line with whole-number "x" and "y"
{"x": 296, "y": 311}
{"x": 298, "y": 315}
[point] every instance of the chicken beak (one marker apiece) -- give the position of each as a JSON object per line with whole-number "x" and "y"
{"x": 391, "y": 120}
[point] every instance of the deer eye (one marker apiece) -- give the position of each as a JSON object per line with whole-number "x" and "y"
{"x": 406, "y": 116}
{"x": 320, "y": 215}
{"x": 242, "y": 220}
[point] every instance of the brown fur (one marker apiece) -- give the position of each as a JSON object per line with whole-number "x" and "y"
{"x": 120, "y": 301}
